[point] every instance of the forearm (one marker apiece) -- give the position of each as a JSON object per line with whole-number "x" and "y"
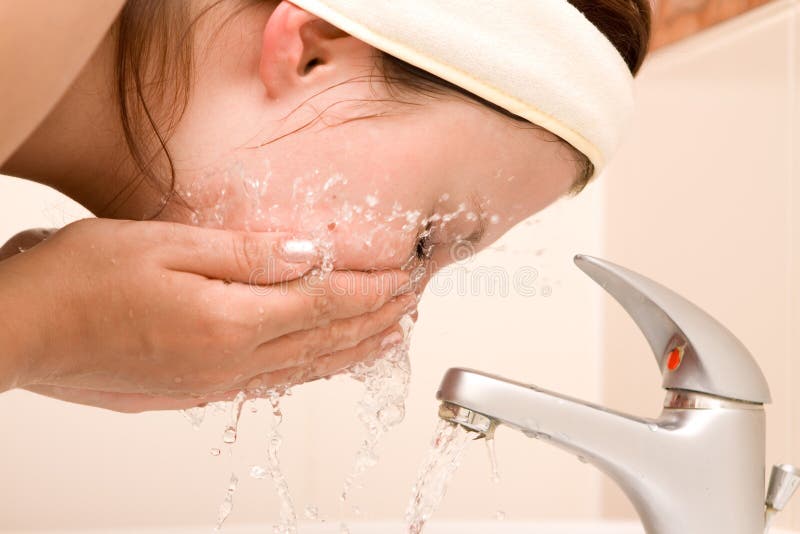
{"x": 11, "y": 354}
{"x": 18, "y": 335}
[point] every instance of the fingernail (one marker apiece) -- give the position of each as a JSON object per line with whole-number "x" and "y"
{"x": 298, "y": 250}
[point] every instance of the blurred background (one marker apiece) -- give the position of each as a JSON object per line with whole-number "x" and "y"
{"x": 704, "y": 197}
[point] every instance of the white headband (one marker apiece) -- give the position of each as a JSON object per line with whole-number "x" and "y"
{"x": 539, "y": 59}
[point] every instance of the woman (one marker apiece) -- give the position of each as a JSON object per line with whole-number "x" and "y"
{"x": 263, "y": 116}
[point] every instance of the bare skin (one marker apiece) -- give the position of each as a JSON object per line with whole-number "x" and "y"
{"x": 443, "y": 156}
{"x": 133, "y": 316}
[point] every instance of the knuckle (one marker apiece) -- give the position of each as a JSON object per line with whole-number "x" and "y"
{"x": 248, "y": 252}
{"x": 322, "y": 306}
{"x": 338, "y": 333}
{"x": 372, "y": 299}
{"x": 78, "y": 229}
{"x": 308, "y": 350}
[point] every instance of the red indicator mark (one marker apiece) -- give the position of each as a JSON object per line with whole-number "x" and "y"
{"x": 675, "y": 358}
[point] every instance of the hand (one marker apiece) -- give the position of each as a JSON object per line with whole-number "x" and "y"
{"x": 24, "y": 241}
{"x": 139, "y": 309}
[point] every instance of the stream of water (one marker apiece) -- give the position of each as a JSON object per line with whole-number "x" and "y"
{"x": 447, "y": 447}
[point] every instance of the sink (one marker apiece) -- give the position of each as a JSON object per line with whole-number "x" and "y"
{"x": 436, "y": 527}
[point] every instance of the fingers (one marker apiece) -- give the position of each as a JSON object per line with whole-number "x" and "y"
{"x": 245, "y": 257}
{"x": 299, "y": 348}
{"x": 322, "y": 367}
{"x": 267, "y": 313}
{"x": 313, "y": 303}
{"x": 328, "y": 365}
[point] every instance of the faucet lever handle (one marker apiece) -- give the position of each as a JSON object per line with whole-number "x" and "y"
{"x": 693, "y": 350}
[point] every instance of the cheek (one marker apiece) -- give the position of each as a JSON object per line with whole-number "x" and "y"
{"x": 367, "y": 246}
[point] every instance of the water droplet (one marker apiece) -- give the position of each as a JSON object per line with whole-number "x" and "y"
{"x": 494, "y": 219}
{"x": 258, "y": 472}
{"x": 215, "y": 452}
{"x": 229, "y": 436}
{"x": 653, "y": 427}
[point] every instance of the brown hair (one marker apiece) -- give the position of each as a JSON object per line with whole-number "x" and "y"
{"x": 154, "y": 73}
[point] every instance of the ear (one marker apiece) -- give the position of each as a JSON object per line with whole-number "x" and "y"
{"x": 300, "y": 49}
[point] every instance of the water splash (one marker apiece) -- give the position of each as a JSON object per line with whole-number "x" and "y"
{"x": 288, "y": 517}
{"x": 311, "y": 513}
{"x": 235, "y": 412}
{"x": 316, "y": 205}
{"x": 258, "y": 472}
{"x": 195, "y": 416}
{"x": 447, "y": 448}
{"x": 382, "y": 407}
{"x": 226, "y": 507}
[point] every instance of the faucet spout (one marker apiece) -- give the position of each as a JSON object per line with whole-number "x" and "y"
{"x": 567, "y": 423}
{"x": 658, "y": 463}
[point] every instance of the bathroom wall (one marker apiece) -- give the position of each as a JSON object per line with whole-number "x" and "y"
{"x": 92, "y": 468}
{"x": 705, "y": 197}
{"x": 677, "y": 19}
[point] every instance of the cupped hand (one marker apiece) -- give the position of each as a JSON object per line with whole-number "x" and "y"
{"x": 146, "y": 315}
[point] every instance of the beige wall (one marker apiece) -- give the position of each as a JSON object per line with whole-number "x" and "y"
{"x": 87, "y": 467}
{"x": 706, "y": 198}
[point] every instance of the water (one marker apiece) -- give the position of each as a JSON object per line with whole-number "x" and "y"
{"x": 229, "y": 435}
{"x": 226, "y": 507}
{"x": 258, "y": 472}
{"x": 311, "y": 513}
{"x": 249, "y": 199}
{"x": 383, "y": 405}
{"x": 288, "y": 517}
{"x": 491, "y": 451}
{"x": 447, "y": 448}
{"x": 494, "y": 476}
{"x": 195, "y": 416}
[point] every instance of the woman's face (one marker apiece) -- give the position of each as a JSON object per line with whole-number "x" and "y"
{"x": 370, "y": 187}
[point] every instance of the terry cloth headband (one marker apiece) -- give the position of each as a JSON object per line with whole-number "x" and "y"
{"x": 540, "y": 59}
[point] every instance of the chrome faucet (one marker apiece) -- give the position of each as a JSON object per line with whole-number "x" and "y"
{"x": 698, "y": 468}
